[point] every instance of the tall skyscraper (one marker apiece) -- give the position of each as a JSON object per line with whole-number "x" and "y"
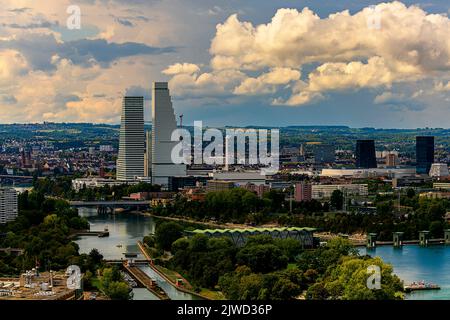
{"x": 163, "y": 124}
{"x": 424, "y": 154}
{"x": 148, "y": 155}
{"x": 365, "y": 154}
{"x": 130, "y": 163}
{"x": 8, "y": 205}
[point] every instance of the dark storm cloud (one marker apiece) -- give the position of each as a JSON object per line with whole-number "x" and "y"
{"x": 39, "y": 49}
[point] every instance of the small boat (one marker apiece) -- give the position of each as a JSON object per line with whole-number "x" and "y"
{"x": 421, "y": 285}
{"x": 119, "y": 246}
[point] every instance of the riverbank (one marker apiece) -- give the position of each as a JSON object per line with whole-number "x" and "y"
{"x": 171, "y": 277}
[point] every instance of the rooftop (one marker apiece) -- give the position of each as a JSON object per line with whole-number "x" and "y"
{"x": 253, "y": 230}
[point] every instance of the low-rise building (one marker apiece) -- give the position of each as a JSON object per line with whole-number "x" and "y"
{"x": 397, "y": 172}
{"x": 324, "y": 191}
{"x": 80, "y": 183}
{"x": 219, "y": 185}
{"x": 259, "y": 190}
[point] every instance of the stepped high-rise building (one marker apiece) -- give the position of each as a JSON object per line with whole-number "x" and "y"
{"x": 130, "y": 163}
{"x": 365, "y": 154}
{"x": 424, "y": 154}
{"x": 148, "y": 155}
{"x": 8, "y": 205}
{"x": 163, "y": 124}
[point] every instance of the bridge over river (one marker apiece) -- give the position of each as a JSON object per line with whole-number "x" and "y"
{"x": 105, "y": 206}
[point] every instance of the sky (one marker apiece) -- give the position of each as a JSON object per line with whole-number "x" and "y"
{"x": 229, "y": 62}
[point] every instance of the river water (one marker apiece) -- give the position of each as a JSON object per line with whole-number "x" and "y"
{"x": 416, "y": 263}
{"x": 124, "y": 232}
{"x": 411, "y": 263}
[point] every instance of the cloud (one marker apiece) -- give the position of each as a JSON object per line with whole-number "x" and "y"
{"x": 8, "y": 99}
{"x": 19, "y": 10}
{"x": 179, "y": 68}
{"x": 343, "y": 51}
{"x": 125, "y": 22}
{"x": 267, "y": 82}
{"x": 39, "y": 49}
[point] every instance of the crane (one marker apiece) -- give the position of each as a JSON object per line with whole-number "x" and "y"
{"x": 181, "y": 120}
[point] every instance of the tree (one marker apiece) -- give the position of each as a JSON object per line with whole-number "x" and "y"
{"x": 410, "y": 193}
{"x": 119, "y": 291}
{"x": 262, "y": 257}
{"x": 337, "y": 199}
{"x": 348, "y": 281}
{"x": 166, "y": 233}
{"x": 437, "y": 229}
{"x": 96, "y": 256}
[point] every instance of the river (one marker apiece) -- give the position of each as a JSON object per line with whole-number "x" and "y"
{"x": 411, "y": 263}
{"x": 124, "y": 232}
{"x": 416, "y": 263}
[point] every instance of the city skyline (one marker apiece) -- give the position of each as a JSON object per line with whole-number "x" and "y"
{"x": 353, "y": 74}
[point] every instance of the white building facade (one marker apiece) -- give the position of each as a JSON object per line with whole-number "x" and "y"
{"x": 163, "y": 125}
{"x": 130, "y": 163}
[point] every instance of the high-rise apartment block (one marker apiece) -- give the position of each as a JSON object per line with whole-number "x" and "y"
{"x": 8, "y": 205}
{"x": 424, "y": 154}
{"x": 130, "y": 163}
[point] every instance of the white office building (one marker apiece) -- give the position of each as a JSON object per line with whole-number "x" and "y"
{"x": 8, "y": 205}
{"x": 163, "y": 124}
{"x": 130, "y": 163}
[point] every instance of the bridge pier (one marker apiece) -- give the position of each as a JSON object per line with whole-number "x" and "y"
{"x": 398, "y": 239}
{"x": 447, "y": 236}
{"x": 371, "y": 241}
{"x": 423, "y": 238}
